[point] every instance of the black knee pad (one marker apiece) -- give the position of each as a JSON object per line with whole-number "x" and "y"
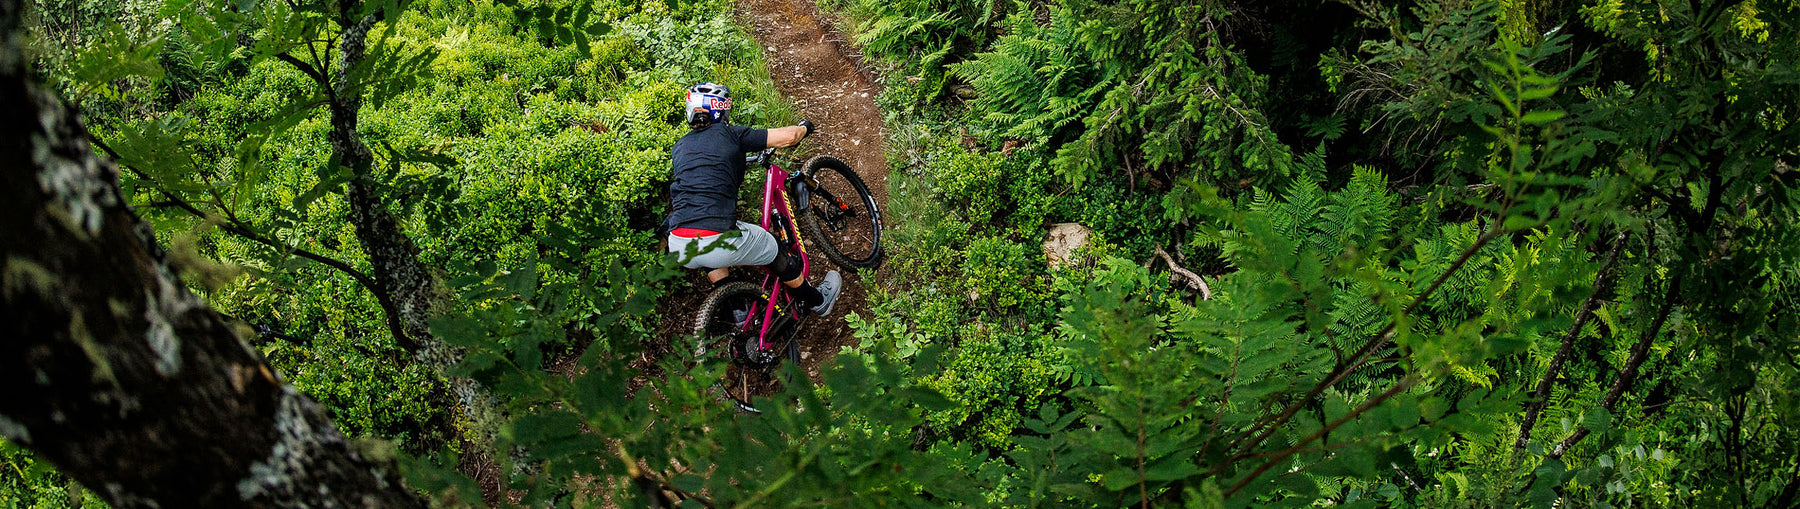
{"x": 787, "y": 264}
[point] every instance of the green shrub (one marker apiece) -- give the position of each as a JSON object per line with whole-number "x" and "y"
{"x": 994, "y": 378}
{"x": 922, "y": 37}
{"x": 26, "y": 481}
{"x": 1001, "y": 274}
{"x": 973, "y": 182}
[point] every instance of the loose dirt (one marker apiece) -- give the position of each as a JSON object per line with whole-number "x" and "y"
{"x": 817, "y": 68}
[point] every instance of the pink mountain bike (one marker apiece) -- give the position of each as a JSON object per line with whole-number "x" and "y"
{"x": 754, "y": 326}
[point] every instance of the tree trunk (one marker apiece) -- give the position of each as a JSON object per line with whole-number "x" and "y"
{"x": 414, "y": 288}
{"x": 111, "y": 370}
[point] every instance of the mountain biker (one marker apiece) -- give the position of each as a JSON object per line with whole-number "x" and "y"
{"x": 708, "y": 169}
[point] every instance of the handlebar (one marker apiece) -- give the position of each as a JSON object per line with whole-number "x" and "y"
{"x": 760, "y": 157}
{"x": 763, "y": 157}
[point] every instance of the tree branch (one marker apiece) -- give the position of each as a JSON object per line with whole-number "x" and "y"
{"x": 236, "y": 227}
{"x": 1715, "y": 194}
{"x": 1541, "y": 397}
{"x": 1398, "y": 388}
{"x": 1194, "y": 280}
{"x": 1629, "y": 373}
{"x": 1262, "y": 430}
{"x": 308, "y": 69}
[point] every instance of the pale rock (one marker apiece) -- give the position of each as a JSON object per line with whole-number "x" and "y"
{"x": 1061, "y": 242}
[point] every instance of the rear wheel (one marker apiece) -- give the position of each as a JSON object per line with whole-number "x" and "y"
{"x": 722, "y": 330}
{"x": 719, "y": 324}
{"x": 842, "y": 218}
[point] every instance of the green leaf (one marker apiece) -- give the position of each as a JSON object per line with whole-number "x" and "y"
{"x": 249, "y": 154}
{"x": 546, "y": 23}
{"x": 1549, "y": 476}
{"x": 1537, "y": 93}
{"x": 522, "y": 280}
{"x": 1520, "y": 223}
{"x": 1405, "y": 413}
{"x": 459, "y": 331}
{"x": 1171, "y": 468}
{"x": 475, "y": 363}
{"x": 1119, "y": 478}
{"x": 578, "y": 445}
{"x": 598, "y": 29}
{"x": 581, "y": 14}
{"x": 331, "y": 178}
{"x": 929, "y": 399}
{"x": 1541, "y": 116}
{"x": 581, "y": 44}
{"x": 545, "y": 425}
{"x": 1598, "y": 421}
{"x": 690, "y": 483}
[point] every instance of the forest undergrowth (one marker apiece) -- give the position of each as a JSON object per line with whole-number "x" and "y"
{"x": 1434, "y": 253}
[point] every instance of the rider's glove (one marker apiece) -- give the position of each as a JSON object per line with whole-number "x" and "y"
{"x": 808, "y": 125}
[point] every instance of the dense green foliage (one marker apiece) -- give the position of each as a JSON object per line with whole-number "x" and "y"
{"x": 497, "y": 139}
{"x": 1413, "y": 219}
{"x": 1541, "y": 133}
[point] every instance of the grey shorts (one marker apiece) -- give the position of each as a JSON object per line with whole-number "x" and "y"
{"x": 752, "y": 246}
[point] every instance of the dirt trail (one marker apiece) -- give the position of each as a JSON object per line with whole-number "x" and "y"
{"x": 815, "y": 67}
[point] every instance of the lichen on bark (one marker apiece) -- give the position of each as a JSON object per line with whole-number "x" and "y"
{"x": 111, "y": 369}
{"x": 14, "y": 431}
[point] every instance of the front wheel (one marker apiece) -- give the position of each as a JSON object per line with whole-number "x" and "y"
{"x": 842, "y": 217}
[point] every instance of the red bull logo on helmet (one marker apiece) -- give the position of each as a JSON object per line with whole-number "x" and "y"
{"x": 713, "y": 102}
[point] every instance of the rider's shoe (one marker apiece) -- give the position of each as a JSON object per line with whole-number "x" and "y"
{"x": 829, "y": 288}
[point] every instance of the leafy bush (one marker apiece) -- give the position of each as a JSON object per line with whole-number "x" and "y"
{"x": 32, "y": 483}
{"x": 973, "y": 181}
{"x": 993, "y": 378}
{"x": 925, "y": 36}
{"x": 1003, "y": 274}
{"x": 1573, "y": 286}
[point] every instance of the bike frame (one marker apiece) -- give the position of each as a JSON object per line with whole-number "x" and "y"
{"x": 778, "y": 218}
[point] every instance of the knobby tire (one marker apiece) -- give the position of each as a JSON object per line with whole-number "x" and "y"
{"x": 869, "y": 213}
{"x": 714, "y": 342}
{"x": 713, "y": 339}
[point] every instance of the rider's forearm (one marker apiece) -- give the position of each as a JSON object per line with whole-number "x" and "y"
{"x": 782, "y": 137}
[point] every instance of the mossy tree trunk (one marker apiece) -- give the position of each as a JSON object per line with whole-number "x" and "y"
{"x": 112, "y": 370}
{"x": 414, "y": 290}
